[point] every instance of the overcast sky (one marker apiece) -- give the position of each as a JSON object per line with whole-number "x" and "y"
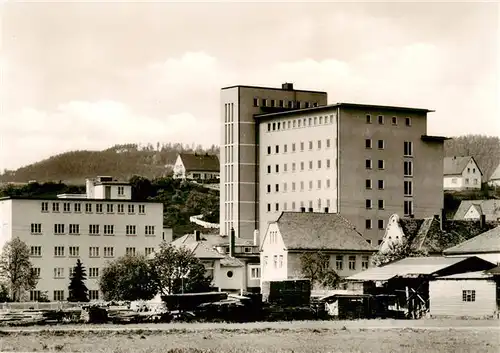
{"x": 90, "y": 75}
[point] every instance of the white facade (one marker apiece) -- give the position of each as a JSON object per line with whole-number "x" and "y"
{"x": 462, "y": 297}
{"x": 393, "y": 234}
{"x": 273, "y": 256}
{"x": 470, "y": 178}
{"x": 298, "y": 165}
{"x": 60, "y": 231}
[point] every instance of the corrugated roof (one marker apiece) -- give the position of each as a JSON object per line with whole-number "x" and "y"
{"x": 487, "y": 242}
{"x": 490, "y": 208}
{"x": 200, "y": 162}
{"x": 455, "y": 165}
{"x": 407, "y": 267}
{"x": 314, "y": 231}
{"x": 468, "y": 275}
{"x": 496, "y": 174}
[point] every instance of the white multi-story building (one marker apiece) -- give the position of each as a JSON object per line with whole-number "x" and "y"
{"x": 96, "y": 227}
{"x": 287, "y": 150}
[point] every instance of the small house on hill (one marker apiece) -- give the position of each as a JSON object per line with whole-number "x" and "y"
{"x": 196, "y": 166}
{"x": 495, "y": 177}
{"x": 474, "y": 209}
{"x": 486, "y": 246}
{"x": 295, "y": 233}
{"x": 429, "y": 234}
{"x": 461, "y": 173}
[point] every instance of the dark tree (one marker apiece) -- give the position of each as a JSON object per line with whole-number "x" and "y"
{"x": 315, "y": 266}
{"x": 177, "y": 270}
{"x": 78, "y": 291}
{"x": 16, "y": 268}
{"x": 128, "y": 278}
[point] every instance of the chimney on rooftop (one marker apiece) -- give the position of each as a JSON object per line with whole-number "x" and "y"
{"x": 482, "y": 220}
{"x": 256, "y": 237}
{"x": 442, "y": 219}
{"x": 197, "y": 235}
{"x": 232, "y": 241}
{"x": 287, "y": 86}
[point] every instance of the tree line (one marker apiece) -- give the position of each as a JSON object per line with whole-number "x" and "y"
{"x": 122, "y": 161}
{"x": 170, "y": 270}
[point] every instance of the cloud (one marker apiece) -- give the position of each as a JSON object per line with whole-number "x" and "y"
{"x": 177, "y": 99}
{"x": 32, "y": 135}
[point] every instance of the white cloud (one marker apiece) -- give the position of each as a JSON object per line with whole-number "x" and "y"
{"x": 177, "y": 100}
{"x": 32, "y": 135}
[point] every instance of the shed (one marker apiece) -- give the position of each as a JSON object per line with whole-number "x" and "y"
{"x": 472, "y": 294}
{"x": 409, "y": 278}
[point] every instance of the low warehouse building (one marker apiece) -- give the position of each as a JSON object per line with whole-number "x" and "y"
{"x": 472, "y": 294}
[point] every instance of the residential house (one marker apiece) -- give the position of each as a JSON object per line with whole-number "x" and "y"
{"x": 474, "y": 209}
{"x": 495, "y": 177}
{"x": 486, "y": 246}
{"x": 461, "y": 173}
{"x": 407, "y": 281}
{"x": 196, "y": 166}
{"x": 234, "y": 268}
{"x": 296, "y": 233}
{"x": 429, "y": 234}
{"x": 471, "y": 294}
{"x": 96, "y": 227}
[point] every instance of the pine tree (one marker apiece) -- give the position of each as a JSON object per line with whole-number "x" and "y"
{"x": 78, "y": 291}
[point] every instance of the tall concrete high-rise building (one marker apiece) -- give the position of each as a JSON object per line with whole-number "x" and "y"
{"x": 287, "y": 150}
{"x": 239, "y": 157}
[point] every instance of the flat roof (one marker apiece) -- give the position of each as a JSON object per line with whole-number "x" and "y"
{"x": 340, "y": 105}
{"x": 274, "y": 89}
{"x": 429, "y": 138}
{"x": 72, "y": 199}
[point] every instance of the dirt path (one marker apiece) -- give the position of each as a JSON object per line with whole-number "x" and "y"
{"x": 425, "y": 324}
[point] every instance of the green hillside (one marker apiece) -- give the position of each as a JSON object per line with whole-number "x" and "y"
{"x": 120, "y": 161}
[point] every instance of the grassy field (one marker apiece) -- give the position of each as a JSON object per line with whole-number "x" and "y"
{"x": 253, "y": 340}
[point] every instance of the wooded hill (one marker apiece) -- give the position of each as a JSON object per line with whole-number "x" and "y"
{"x": 124, "y": 161}
{"x": 181, "y": 200}
{"x": 119, "y": 161}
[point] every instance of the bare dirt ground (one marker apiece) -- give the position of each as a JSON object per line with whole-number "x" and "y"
{"x": 364, "y": 336}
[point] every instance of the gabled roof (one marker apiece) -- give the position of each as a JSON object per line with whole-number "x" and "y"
{"x": 231, "y": 262}
{"x": 496, "y": 174}
{"x": 456, "y": 165}
{"x": 426, "y": 234}
{"x": 489, "y": 208}
{"x": 315, "y": 231}
{"x": 415, "y": 266}
{"x": 487, "y": 242}
{"x": 200, "y": 162}
{"x": 198, "y": 249}
{"x": 469, "y": 275}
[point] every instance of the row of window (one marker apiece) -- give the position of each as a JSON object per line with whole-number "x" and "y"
{"x": 381, "y": 120}
{"x": 293, "y": 146}
{"x": 339, "y": 262}
{"x": 282, "y": 103}
{"x": 301, "y": 122}
{"x": 467, "y": 181}
{"x": 407, "y": 146}
{"x": 311, "y": 165}
{"x": 59, "y": 295}
{"x": 93, "y": 229}
{"x": 99, "y": 208}
{"x": 94, "y": 251}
